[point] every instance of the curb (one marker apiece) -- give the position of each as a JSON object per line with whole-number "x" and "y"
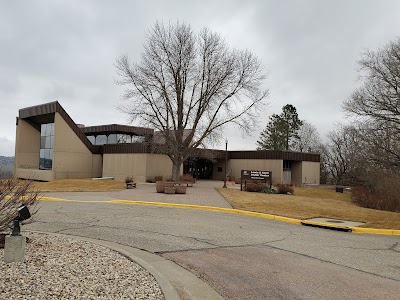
{"x": 240, "y": 212}
{"x": 176, "y": 283}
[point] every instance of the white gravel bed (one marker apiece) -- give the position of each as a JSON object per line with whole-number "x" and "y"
{"x": 63, "y": 268}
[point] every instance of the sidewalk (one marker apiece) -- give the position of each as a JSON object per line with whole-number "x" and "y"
{"x": 202, "y": 193}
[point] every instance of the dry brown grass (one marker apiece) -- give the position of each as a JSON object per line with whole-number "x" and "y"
{"x": 79, "y": 185}
{"x": 310, "y": 202}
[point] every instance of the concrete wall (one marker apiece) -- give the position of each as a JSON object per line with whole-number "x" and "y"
{"x": 141, "y": 166}
{"x": 310, "y": 172}
{"x": 120, "y": 166}
{"x": 27, "y": 146}
{"x": 274, "y": 165}
{"x": 42, "y": 175}
{"x": 72, "y": 159}
{"x": 159, "y": 165}
{"x": 220, "y": 175}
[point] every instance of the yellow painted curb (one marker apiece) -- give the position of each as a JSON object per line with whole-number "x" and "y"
{"x": 235, "y": 211}
{"x": 328, "y": 225}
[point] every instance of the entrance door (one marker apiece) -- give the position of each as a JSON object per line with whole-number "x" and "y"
{"x": 287, "y": 177}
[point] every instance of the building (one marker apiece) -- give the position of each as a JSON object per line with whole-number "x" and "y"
{"x": 50, "y": 146}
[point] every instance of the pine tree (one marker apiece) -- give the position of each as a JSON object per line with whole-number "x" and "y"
{"x": 281, "y": 130}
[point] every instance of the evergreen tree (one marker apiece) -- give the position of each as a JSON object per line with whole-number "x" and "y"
{"x": 281, "y": 130}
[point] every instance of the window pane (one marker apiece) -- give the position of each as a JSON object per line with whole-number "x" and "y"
{"x": 47, "y": 142}
{"x": 51, "y": 129}
{"x": 112, "y": 139}
{"x": 123, "y": 138}
{"x": 43, "y": 130}
{"x": 41, "y": 159}
{"x": 92, "y": 139}
{"x": 42, "y": 142}
{"x": 101, "y": 139}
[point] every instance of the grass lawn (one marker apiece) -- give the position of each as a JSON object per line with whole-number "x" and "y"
{"x": 311, "y": 202}
{"x": 79, "y": 185}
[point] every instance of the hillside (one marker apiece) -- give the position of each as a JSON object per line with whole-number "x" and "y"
{"x": 6, "y": 160}
{"x": 6, "y": 166}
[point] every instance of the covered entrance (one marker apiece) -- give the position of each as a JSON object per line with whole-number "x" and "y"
{"x": 200, "y": 168}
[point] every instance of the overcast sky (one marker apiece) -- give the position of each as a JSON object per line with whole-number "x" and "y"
{"x": 66, "y": 50}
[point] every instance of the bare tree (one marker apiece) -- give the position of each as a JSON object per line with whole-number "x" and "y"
{"x": 378, "y": 99}
{"x": 344, "y": 156}
{"x": 308, "y": 139}
{"x": 382, "y": 144}
{"x": 191, "y": 81}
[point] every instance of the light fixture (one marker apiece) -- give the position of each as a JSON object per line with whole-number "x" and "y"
{"x": 23, "y": 214}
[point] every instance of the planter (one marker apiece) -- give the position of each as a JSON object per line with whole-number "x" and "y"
{"x": 180, "y": 189}
{"x": 130, "y": 185}
{"x": 169, "y": 190}
{"x": 161, "y": 185}
{"x": 2, "y": 239}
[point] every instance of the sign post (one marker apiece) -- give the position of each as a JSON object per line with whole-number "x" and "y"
{"x": 255, "y": 175}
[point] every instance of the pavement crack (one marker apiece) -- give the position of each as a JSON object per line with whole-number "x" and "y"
{"x": 74, "y": 228}
{"x": 392, "y": 248}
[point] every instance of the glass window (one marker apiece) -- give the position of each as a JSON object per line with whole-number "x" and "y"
{"x": 42, "y": 142}
{"x": 112, "y": 139}
{"x": 123, "y": 138}
{"x": 138, "y": 139}
{"x": 46, "y": 146}
{"x": 92, "y": 139}
{"x": 101, "y": 139}
{"x": 43, "y": 129}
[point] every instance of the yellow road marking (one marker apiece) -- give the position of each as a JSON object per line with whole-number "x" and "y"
{"x": 231, "y": 211}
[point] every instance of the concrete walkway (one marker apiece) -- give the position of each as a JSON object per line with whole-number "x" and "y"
{"x": 202, "y": 193}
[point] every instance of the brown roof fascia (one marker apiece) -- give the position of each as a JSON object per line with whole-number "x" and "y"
{"x": 275, "y": 154}
{"x": 102, "y": 129}
{"x": 53, "y": 107}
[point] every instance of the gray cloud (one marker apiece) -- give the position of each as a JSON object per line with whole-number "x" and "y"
{"x": 65, "y": 50}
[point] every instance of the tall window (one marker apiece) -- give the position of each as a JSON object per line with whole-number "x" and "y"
{"x": 46, "y": 146}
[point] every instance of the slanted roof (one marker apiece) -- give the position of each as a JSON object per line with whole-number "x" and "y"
{"x": 44, "y": 113}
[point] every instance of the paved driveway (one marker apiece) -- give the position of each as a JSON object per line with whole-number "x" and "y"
{"x": 242, "y": 257}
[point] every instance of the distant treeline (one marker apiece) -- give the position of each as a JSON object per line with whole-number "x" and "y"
{"x": 6, "y": 166}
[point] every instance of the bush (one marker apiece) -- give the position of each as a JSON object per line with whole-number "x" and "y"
{"x": 13, "y": 195}
{"x": 187, "y": 178}
{"x": 158, "y": 178}
{"x": 255, "y": 187}
{"x": 128, "y": 179}
{"x": 284, "y": 189}
{"x": 384, "y": 195}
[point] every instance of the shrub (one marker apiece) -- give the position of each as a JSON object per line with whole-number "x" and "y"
{"x": 255, "y": 187}
{"x": 187, "y": 177}
{"x": 12, "y": 196}
{"x": 128, "y": 179}
{"x": 284, "y": 189}
{"x": 384, "y": 195}
{"x": 158, "y": 178}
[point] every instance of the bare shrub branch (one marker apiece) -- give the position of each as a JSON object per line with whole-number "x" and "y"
{"x": 13, "y": 195}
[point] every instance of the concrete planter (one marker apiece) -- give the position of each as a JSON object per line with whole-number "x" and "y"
{"x": 169, "y": 190}
{"x": 180, "y": 189}
{"x": 161, "y": 185}
{"x": 2, "y": 239}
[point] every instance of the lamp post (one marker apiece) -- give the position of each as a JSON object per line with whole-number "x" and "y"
{"x": 226, "y": 157}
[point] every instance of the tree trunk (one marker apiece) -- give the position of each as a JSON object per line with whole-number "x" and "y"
{"x": 176, "y": 168}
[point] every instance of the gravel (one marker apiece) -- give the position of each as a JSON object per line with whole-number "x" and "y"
{"x": 62, "y": 268}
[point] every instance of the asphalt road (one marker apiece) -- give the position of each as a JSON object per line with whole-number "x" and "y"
{"x": 241, "y": 257}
